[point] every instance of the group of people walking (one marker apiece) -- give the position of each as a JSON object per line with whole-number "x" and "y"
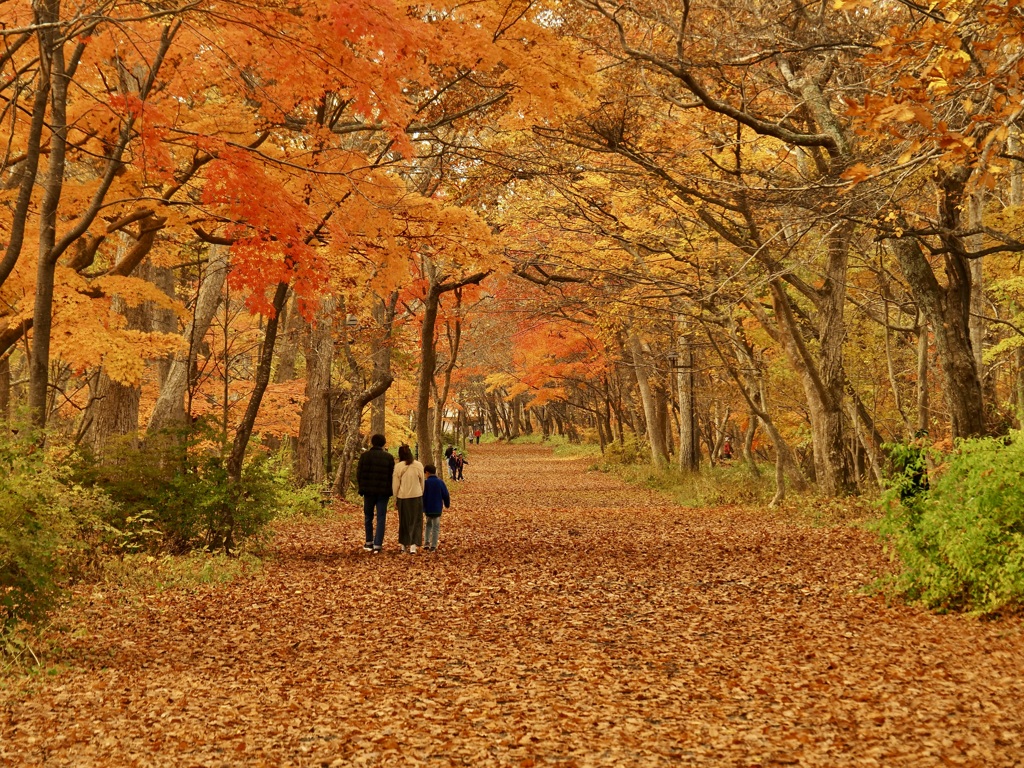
{"x": 456, "y": 462}
{"x": 418, "y": 493}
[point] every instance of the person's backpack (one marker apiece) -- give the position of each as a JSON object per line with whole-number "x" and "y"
{"x": 448, "y": 452}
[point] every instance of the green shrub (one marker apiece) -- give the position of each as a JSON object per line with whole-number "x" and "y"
{"x": 173, "y": 493}
{"x": 50, "y": 527}
{"x": 629, "y": 452}
{"x": 295, "y": 501}
{"x": 961, "y": 543}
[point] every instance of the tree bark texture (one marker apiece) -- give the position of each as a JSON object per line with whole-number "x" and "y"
{"x": 642, "y": 373}
{"x": 52, "y": 64}
{"x": 689, "y": 455}
{"x": 946, "y": 309}
{"x": 262, "y": 378}
{"x": 310, "y": 456}
{"x": 976, "y": 322}
{"x": 824, "y": 407}
{"x": 169, "y": 410}
{"x": 384, "y": 315}
{"x": 115, "y": 407}
{"x": 5, "y": 389}
{"x": 350, "y": 416}
{"x": 428, "y": 361}
{"x": 292, "y": 339}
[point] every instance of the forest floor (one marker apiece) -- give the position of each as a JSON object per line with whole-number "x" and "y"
{"x": 566, "y": 619}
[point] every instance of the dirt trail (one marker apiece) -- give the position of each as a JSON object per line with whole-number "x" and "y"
{"x": 565, "y": 620}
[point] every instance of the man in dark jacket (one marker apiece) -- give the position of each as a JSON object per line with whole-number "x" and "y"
{"x": 373, "y": 476}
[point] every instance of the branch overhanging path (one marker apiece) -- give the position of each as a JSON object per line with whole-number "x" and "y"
{"x": 565, "y": 620}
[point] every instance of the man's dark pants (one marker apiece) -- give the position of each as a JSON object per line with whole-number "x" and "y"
{"x": 380, "y": 504}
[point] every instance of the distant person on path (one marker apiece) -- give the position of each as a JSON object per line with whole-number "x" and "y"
{"x": 407, "y": 484}
{"x": 373, "y": 478}
{"x": 435, "y": 500}
{"x": 453, "y": 459}
{"x": 476, "y": 434}
{"x": 726, "y": 452}
{"x": 460, "y": 462}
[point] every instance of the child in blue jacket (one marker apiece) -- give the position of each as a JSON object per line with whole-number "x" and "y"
{"x": 435, "y": 500}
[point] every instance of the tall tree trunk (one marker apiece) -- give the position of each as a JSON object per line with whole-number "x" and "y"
{"x": 976, "y": 322}
{"x": 748, "y": 444}
{"x": 115, "y": 407}
{"x": 293, "y": 337}
{"x": 923, "y": 410}
{"x": 169, "y": 410}
{"x": 689, "y": 454}
{"x": 946, "y": 310}
{"x": 310, "y": 459}
{"x": 384, "y": 314}
{"x": 831, "y": 467}
{"x": 428, "y": 362}
{"x": 831, "y": 337}
{"x": 351, "y": 417}
{"x": 53, "y": 69}
{"x": 58, "y": 71}
{"x": 442, "y": 390}
{"x": 5, "y": 389}
{"x": 1016, "y": 199}
{"x": 163, "y": 320}
{"x": 492, "y": 416}
{"x": 650, "y": 406}
{"x": 662, "y": 399}
{"x": 244, "y": 431}
{"x": 890, "y": 365}
{"x": 437, "y": 286}
{"x": 515, "y": 409}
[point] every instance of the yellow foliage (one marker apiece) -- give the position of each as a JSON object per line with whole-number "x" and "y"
{"x": 134, "y": 291}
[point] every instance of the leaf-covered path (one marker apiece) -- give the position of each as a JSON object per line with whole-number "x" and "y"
{"x": 565, "y": 620}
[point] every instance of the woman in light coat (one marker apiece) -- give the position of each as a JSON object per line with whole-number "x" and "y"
{"x": 407, "y": 484}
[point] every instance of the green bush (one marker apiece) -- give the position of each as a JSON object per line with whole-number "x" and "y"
{"x": 961, "y": 543}
{"x": 629, "y": 452}
{"x": 173, "y": 493}
{"x": 295, "y": 501}
{"x": 50, "y": 527}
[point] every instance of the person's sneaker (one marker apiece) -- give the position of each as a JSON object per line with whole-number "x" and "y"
{"x": 368, "y": 546}
{"x": 376, "y": 550}
{"x": 404, "y": 549}
{"x": 412, "y": 549}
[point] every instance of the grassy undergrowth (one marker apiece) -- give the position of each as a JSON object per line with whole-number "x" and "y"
{"x": 731, "y": 483}
{"x": 722, "y": 485}
{"x": 139, "y": 573}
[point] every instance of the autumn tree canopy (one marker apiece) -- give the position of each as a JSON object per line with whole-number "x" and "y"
{"x": 793, "y": 226}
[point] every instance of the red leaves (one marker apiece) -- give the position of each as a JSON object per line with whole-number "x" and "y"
{"x": 270, "y": 228}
